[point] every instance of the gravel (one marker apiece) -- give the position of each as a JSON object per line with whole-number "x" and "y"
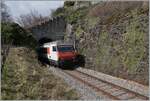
{"x": 85, "y": 92}
{"x": 130, "y": 85}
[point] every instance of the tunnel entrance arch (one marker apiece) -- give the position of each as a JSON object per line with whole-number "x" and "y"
{"x": 54, "y": 28}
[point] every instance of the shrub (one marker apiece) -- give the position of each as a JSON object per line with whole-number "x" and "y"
{"x": 76, "y": 15}
{"x": 15, "y": 33}
{"x": 69, "y": 3}
{"x": 59, "y": 12}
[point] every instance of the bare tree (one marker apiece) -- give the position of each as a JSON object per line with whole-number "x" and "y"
{"x": 5, "y": 45}
{"x": 5, "y": 15}
{"x": 31, "y": 19}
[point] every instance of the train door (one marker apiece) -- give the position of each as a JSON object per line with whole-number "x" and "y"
{"x": 54, "y": 53}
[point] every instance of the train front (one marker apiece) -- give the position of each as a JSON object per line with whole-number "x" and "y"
{"x": 66, "y": 55}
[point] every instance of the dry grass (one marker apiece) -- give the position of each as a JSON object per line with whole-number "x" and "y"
{"x": 108, "y": 8}
{"x": 23, "y": 78}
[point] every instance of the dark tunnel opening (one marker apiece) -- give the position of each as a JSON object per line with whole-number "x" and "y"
{"x": 41, "y": 41}
{"x": 44, "y": 40}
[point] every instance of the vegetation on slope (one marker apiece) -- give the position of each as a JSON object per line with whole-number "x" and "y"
{"x": 24, "y": 78}
{"x": 114, "y": 37}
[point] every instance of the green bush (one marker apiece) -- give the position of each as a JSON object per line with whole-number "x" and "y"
{"x": 12, "y": 32}
{"x": 76, "y": 15}
{"x": 133, "y": 47}
{"x": 79, "y": 30}
{"x": 59, "y": 12}
{"x": 69, "y": 3}
{"x": 92, "y": 21}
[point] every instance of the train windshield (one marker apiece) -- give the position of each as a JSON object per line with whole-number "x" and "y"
{"x": 65, "y": 48}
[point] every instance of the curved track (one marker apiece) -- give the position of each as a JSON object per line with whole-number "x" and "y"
{"x": 100, "y": 86}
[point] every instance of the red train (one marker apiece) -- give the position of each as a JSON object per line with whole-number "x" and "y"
{"x": 58, "y": 53}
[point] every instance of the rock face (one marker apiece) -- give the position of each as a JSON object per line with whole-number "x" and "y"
{"x": 53, "y": 29}
{"x": 80, "y": 4}
{"x": 114, "y": 39}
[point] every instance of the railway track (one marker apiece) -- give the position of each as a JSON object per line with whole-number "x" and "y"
{"x": 108, "y": 89}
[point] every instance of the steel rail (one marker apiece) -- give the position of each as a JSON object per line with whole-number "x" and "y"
{"x": 92, "y": 86}
{"x": 116, "y": 86}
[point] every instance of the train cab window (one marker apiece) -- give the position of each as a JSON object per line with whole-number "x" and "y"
{"x": 54, "y": 48}
{"x": 66, "y": 48}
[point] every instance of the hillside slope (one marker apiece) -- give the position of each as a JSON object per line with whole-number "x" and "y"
{"x": 113, "y": 36}
{"x": 23, "y": 78}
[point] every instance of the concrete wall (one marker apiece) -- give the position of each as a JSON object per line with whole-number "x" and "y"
{"x": 52, "y": 28}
